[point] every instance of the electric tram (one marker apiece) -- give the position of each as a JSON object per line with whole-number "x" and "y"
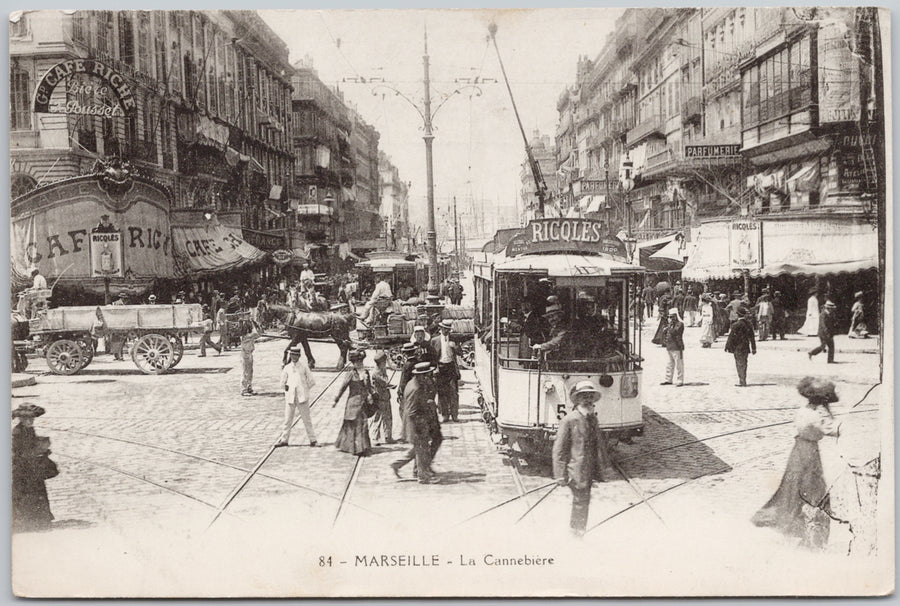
{"x": 567, "y": 283}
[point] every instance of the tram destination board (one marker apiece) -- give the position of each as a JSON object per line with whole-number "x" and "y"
{"x": 565, "y": 235}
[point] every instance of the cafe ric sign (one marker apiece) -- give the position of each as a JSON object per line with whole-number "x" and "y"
{"x": 93, "y": 89}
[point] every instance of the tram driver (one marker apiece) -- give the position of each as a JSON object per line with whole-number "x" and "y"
{"x": 559, "y": 345}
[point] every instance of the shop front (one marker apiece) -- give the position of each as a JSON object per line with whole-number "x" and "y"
{"x": 89, "y": 235}
{"x": 836, "y": 255}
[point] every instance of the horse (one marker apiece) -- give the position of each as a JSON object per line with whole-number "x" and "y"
{"x": 302, "y": 325}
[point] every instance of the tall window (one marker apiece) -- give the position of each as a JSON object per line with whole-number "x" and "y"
{"x": 126, "y": 38}
{"x": 81, "y": 27}
{"x": 19, "y": 100}
{"x": 150, "y": 124}
{"x": 159, "y": 46}
{"x": 104, "y": 31}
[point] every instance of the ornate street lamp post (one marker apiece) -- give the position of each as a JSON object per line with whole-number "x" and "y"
{"x": 627, "y": 185}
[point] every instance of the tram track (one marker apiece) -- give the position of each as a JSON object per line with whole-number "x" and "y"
{"x": 140, "y": 479}
{"x": 645, "y": 498}
{"x": 211, "y": 461}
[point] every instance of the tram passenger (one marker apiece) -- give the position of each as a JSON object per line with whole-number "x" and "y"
{"x": 447, "y": 373}
{"x": 580, "y": 452}
{"x": 533, "y": 330}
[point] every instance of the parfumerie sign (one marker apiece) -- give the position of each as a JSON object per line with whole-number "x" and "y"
{"x": 93, "y": 84}
{"x": 712, "y": 151}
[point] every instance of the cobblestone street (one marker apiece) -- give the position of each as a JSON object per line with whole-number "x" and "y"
{"x": 155, "y": 456}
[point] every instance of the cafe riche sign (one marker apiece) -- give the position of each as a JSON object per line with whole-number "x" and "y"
{"x": 93, "y": 89}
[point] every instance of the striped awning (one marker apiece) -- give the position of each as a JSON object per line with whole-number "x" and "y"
{"x": 212, "y": 248}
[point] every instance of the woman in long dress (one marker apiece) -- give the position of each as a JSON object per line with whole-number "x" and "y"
{"x": 800, "y": 507}
{"x": 354, "y": 434}
{"x": 707, "y": 322}
{"x": 811, "y": 326}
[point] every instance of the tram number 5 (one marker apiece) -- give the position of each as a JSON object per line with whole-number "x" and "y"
{"x": 560, "y": 410}
{"x": 325, "y": 561}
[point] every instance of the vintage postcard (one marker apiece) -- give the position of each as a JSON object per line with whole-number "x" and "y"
{"x": 451, "y": 303}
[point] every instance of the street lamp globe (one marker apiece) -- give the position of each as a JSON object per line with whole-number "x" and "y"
{"x": 627, "y": 185}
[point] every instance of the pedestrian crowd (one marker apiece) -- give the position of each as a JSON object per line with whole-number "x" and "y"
{"x": 741, "y": 322}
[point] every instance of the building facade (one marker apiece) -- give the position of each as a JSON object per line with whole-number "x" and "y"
{"x": 365, "y": 227}
{"x": 198, "y": 101}
{"x": 394, "y": 205}
{"x": 544, "y": 151}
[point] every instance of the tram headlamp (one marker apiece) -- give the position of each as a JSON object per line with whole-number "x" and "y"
{"x": 605, "y": 381}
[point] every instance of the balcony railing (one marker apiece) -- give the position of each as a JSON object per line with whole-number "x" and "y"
{"x": 620, "y": 126}
{"x": 651, "y": 126}
{"x": 692, "y": 109}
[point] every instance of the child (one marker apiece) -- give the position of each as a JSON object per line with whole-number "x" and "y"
{"x": 248, "y": 344}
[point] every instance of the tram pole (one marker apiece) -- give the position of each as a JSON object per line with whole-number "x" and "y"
{"x": 429, "y": 179}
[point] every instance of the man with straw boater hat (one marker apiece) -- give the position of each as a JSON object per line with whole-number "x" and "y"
{"x": 580, "y": 452}
{"x": 296, "y": 381}
{"x": 447, "y": 373}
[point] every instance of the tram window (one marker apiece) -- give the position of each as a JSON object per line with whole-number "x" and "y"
{"x": 577, "y": 322}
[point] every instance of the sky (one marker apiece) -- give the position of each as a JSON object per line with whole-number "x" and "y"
{"x": 478, "y": 148}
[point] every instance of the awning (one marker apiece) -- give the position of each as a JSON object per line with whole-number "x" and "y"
{"x": 314, "y": 209}
{"x": 213, "y": 248}
{"x": 594, "y": 203}
{"x": 256, "y": 166}
{"x": 812, "y": 269}
{"x": 709, "y": 260}
{"x": 808, "y": 246}
{"x": 648, "y": 249}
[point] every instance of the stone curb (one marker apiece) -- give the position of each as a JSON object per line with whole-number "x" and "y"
{"x": 23, "y": 380}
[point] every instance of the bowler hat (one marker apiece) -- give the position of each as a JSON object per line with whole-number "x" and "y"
{"x": 742, "y": 310}
{"x": 356, "y": 355}
{"x": 27, "y": 411}
{"x": 585, "y": 387}
{"x": 817, "y": 389}
{"x": 379, "y": 355}
{"x": 448, "y": 324}
{"x": 422, "y": 368}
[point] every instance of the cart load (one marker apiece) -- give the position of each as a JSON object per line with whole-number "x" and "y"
{"x": 66, "y": 333}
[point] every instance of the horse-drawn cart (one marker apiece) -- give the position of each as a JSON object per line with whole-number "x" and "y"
{"x": 394, "y": 327}
{"x": 65, "y": 334}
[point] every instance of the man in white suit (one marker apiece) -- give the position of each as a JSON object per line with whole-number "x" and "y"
{"x": 296, "y": 381}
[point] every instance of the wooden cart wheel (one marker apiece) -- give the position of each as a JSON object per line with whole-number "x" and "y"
{"x": 153, "y": 354}
{"x": 178, "y": 349}
{"x": 87, "y": 350}
{"x": 397, "y": 357}
{"x": 64, "y": 357}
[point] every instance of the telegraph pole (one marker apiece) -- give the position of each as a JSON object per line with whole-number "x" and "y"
{"x": 429, "y": 176}
{"x": 455, "y": 235}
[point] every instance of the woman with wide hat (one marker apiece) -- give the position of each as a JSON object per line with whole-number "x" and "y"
{"x": 801, "y": 506}
{"x": 354, "y": 434}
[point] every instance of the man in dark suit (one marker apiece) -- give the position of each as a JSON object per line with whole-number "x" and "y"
{"x": 673, "y": 339}
{"x": 424, "y": 431}
{"x": 532, "y": 329}
{"x": 741, "y": 343}
{"x": 826, "y": 332}
{"x": 580, "y": 453}
{"x": 447, "y": 374}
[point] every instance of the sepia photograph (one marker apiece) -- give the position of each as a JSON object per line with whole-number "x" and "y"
{"x": 488, "y": 302}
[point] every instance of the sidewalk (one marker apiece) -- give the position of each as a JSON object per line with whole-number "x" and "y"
{"x": 792, "y": 342}
{"x": 21, "y": 379}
